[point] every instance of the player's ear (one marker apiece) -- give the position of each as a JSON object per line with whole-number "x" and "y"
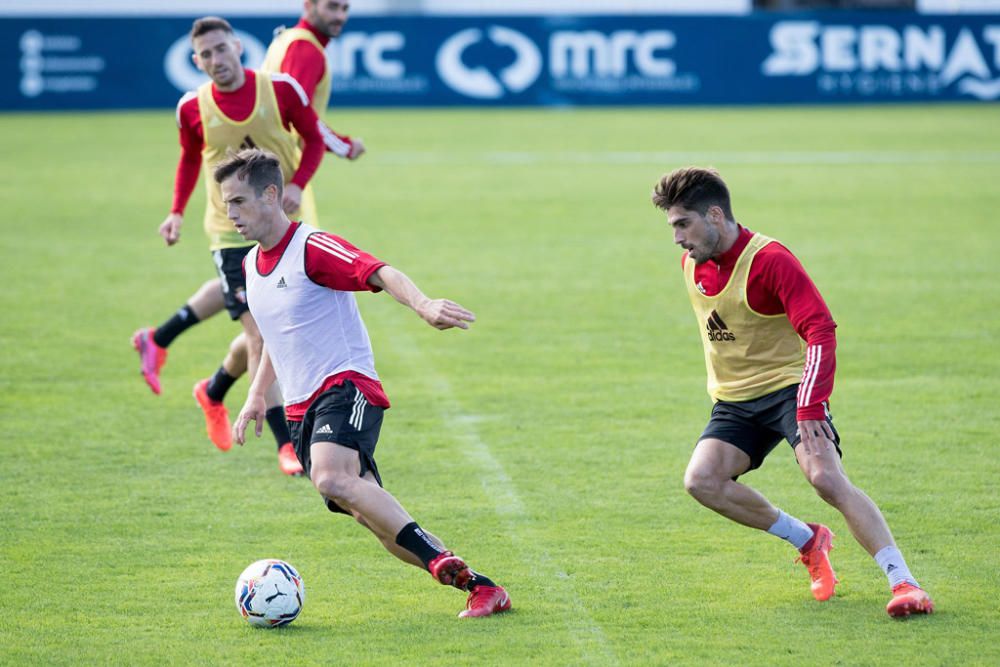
{"x": 197, "y": 62}
{"x": 238, "y": 45}
{"x": 271, "y": 193}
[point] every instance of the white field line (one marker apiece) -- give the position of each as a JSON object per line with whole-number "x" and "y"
{"x": 582, "y": 629}
{"x": 516, "y": 158}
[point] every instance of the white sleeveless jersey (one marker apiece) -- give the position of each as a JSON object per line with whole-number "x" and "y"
{"x": 311, "y": 331}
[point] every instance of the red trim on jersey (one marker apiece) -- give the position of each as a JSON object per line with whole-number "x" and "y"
{"x": 777, "y": 283}
{"x": 372, "y": 390}
{"x": 268, "y": 259}
{"x": 332, "y": 262}
{"x": 238, "y": 105}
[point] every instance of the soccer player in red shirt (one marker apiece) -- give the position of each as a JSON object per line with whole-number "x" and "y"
{"x": 300, "y": 289}
{"x": 300, "y": 51}
{"x": 769, "y": 351}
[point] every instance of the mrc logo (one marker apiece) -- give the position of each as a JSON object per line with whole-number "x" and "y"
{"x": 590, "y": 61}
{"x": 883, "y": 59}
{"x": 372, "y": 63}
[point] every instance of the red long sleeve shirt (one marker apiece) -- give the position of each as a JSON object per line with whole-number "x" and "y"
{"x": 777, "y": 283}
{"x": 293, "y": 105}
{"x": 303, "y": 62}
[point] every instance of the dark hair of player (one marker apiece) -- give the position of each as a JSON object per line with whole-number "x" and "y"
{"x": 253, "y": 166}
{"x": 208, "y": 24}
{"x": 693, "y": 188}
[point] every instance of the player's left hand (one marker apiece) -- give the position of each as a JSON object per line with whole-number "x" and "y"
{"x": 291, "y": 199}
{"x": 254, "y": 409}
{"x": 445, "y": 314}
{"x": 817, "y": 436}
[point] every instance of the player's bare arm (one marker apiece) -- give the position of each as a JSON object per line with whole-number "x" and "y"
{"x": 255, "y": 407}
{"x": 170, "y": 229}
{"x": 439, "y": 313}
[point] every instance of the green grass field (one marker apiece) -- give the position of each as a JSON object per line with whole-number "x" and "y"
{"x": 546, "y": 445}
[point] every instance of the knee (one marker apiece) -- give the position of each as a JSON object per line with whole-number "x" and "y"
{"x": 338, "y": 487}
{"x": 830, "y": 485}
{"x": 702, "y": 485}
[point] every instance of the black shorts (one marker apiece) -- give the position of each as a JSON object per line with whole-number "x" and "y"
{"x": 756, "y": 426}
{"x": 344, "y": 416}
{"x": 229, "y": 264}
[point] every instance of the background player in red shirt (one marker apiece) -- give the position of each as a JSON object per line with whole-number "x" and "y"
{"x": 300, "y": 52}
{"x": 756, "y": 304}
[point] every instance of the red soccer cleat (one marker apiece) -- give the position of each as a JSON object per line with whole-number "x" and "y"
{"x": 288, "y": 462}
{"x": 450, "y": 570}
{"x": 485, "y": 601}
{"x": 815, "y": 556}
{"x": 216, "y": 417}
{"x": 908, "y": 599}
{"x": 151, "y": 357}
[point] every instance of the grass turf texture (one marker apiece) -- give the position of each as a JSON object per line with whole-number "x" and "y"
{"x": 546, "y": 445}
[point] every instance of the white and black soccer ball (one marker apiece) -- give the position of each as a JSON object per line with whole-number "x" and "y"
{"x": 270, "y": 593}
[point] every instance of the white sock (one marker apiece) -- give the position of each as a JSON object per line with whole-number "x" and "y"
{"x": 892, "y": 563}
{"x": 791, "y": 530}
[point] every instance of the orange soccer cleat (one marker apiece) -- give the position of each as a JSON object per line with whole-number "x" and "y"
{"x": 815, "y": 556}
{"x": 216, "y": 417}
{"x": 450, "y": 570}
{"x": 288, "y": 462}
{"x": 909, "y": 599}
{"x": 151, "y": 357}
{"x": 485, "y": 601}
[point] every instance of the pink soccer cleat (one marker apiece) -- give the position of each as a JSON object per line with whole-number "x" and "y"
{"x": 151, "y": 357}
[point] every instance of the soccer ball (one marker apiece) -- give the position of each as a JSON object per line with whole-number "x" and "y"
{"x": 270, "y": 593}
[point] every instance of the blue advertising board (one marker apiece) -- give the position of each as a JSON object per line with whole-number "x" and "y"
{"x": 763, "y": 58}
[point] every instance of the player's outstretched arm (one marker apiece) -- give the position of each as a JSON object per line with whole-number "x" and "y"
{"x": 255, "y": 407}
{"x": 170, "y": 229}
{"x": 439, "y": 313}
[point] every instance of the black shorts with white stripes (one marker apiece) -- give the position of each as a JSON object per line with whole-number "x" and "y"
{"x": 344, "y": 416}
{"x": 757, "y": 426}
{"x": 229, "y": 264}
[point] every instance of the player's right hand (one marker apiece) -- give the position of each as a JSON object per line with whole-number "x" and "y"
{"x": 357, "y": 148}
{"x": 445, "y": 314}
{"x": 170, "y": 229}
{"x": 254, "y": 409}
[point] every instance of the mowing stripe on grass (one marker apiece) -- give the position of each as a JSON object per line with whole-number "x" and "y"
{"x": 514, "y": 158}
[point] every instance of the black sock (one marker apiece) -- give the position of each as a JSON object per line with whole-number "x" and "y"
{"x": 279, "y": 427}
{"x": 219, "y": 385}
{"x": 479, "y": 580}
{"x": 414, "y": 540}
{"x": 183, "y": 319}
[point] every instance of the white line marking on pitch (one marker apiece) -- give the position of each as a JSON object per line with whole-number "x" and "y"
{"x": 500, "y": 488}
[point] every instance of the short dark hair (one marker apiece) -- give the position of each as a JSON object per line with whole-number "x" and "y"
{"x": 208, "y": 24}
{"x": 252, "y": 165}
{"x": 694, "y": 188}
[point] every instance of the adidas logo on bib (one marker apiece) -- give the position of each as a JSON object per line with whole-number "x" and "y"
{"x": 717, "y": 329}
